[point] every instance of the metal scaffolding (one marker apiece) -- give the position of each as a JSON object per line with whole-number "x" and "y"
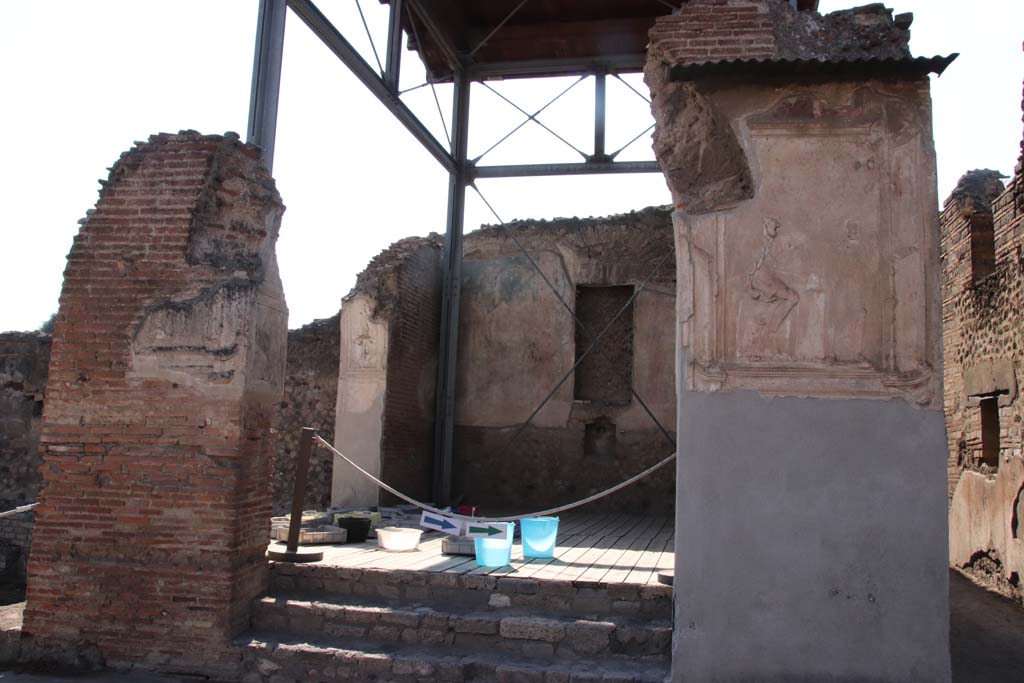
{"x": 462, "y": 69}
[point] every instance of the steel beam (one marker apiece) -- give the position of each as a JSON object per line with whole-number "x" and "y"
{"x": 539, "y": 68}
{"x": 266, "y": 78}
{"x": 451, "y": 288}
{"x": 330, "y": 36}
{"x": 599, "y": 114}
{"x": 393, "y": 58}
{"x": 588, "y": 168}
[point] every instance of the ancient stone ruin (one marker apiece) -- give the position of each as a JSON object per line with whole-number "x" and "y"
{"x": 983, "y": 292}
{"x": 167, "y": 364}
{"x": 810, "y": 525}
{"x": 516, "y": 340}
{"x": 803, "y": 378}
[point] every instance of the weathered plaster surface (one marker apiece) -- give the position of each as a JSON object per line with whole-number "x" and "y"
{"x": 794, "y": 295}
{"x": 517, "y": 340}
{"x": 361, "y": 386}
{"x": 810, "y": 540}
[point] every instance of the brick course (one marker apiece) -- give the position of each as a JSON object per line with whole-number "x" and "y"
{"x": 167, "y": 364}
{"x": 407, "y": 439}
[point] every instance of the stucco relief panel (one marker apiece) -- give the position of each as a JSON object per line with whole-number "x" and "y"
{"x": 817, "y": 285}
{"x": 363, "y": 340}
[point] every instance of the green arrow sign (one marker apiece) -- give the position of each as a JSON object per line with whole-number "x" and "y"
{"x": 484, "y": 530}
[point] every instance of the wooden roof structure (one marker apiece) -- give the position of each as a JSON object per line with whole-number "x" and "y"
{"x": 533, "y": 38}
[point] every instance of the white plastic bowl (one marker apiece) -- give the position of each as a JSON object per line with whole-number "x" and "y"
{"x": 398, "y": 539}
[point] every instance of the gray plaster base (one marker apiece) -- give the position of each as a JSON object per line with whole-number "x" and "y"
{"x": 811, "y": 540}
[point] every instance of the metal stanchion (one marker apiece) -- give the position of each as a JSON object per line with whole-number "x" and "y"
{"x": 291, "y": 552}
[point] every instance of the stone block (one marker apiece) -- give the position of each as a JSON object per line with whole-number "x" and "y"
{"x": 532, "y": 628}
{"x": 362, "y": 615}
{"x": 633, "y": 637}
{"x": 432, "y": 619}
{"x": 470, "y": 623}
{"x": 450, "y": 670}
{"x": 499, "y": 600}
{"x": 407, "y": 618}
{"x": 374, "y": 663}
{"x": 512, "y": 585}
{"x": 563, "y": 588}
{"x": 478, "y": 582}
{"x": 623, "y": 591}
{"x": 413, "y": 667}
{"x": 589, "y": 637}
{"x": 443, "y": 580}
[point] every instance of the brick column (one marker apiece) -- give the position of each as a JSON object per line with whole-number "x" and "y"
{"x": 168, "y": 360}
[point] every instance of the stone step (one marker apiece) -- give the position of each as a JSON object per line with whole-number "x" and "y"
{"x": 515, "y": 631}
{"x": 476, "y": 591}
{"x": 269, "y": 659}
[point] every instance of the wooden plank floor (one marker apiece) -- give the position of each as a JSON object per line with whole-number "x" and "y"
{"x": 608, "y": 548}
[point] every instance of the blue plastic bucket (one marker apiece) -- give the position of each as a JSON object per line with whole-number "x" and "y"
{"x": 539, "y": 534}
{"x": 495, "y": 552}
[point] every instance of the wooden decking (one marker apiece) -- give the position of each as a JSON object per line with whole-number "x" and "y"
{"x": 600, "y": 548}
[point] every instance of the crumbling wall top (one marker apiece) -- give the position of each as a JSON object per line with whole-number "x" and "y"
{"x": 976, "y": 190}
{"x": 704, "y": 35}
{"x": 378, "y": 278}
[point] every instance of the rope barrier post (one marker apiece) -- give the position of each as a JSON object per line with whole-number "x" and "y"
{"x": 291, "y": 552}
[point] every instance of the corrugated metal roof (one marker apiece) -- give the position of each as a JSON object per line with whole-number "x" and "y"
{"x": 812, "y": 69}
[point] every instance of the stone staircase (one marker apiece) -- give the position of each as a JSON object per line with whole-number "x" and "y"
{"x": 324, "y": 623}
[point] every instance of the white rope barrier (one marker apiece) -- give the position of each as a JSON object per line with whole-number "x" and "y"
{"x": 18, "y": 510}
{"x": 542, "y": 513}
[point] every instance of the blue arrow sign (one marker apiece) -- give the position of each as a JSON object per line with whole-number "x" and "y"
{"x": 441, "y": 523}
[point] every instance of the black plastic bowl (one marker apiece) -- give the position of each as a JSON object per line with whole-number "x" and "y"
{"x": 357, "y": 527}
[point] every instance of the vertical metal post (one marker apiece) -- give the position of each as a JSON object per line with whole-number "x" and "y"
{"x": 393, "y": 59}
{"x": 451, "y": 287}
{"x": 599, "y": 111}
{"x": 291, "y": 553}
{"x": 266, "y": 78}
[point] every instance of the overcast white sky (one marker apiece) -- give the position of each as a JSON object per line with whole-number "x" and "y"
{"x": 82, "y": 80}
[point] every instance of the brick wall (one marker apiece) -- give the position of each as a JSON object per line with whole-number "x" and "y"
{"x": 715, "y": 30}
{"x": 24, "y": 357}
{"x": 167, "y": 366}
{"x": 982, "y": 319}
{"x": 704, "y": 31}
{"x": 407, "y": 439}
{"x": 310, "y": 394}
